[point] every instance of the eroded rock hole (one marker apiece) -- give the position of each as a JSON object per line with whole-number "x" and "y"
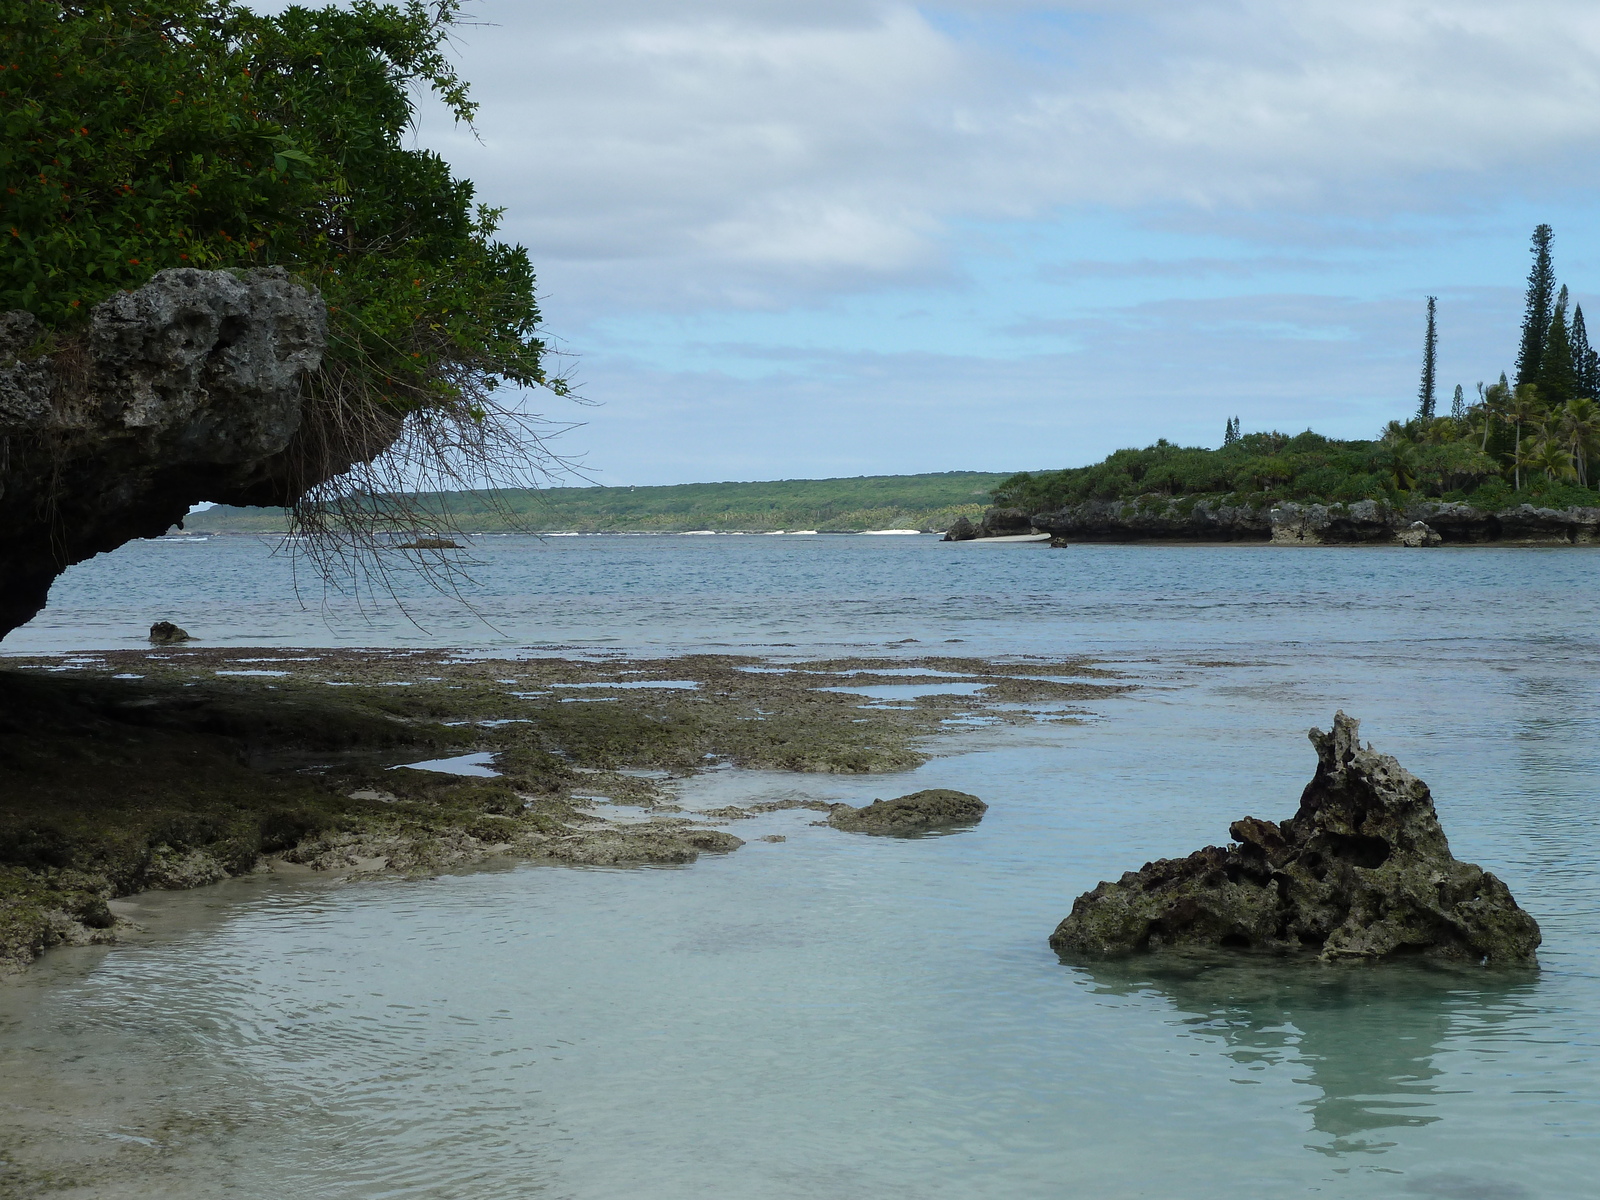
{"x": 1360, "y": 850}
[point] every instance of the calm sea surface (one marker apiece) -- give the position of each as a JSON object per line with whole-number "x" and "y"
{"x": 837, "y": 1016}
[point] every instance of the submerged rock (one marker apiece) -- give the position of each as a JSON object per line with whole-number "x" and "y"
{"x": 936, "y": 808}
{"x": 1362, "y": 871}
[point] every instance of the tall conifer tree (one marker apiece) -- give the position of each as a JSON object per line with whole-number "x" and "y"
{"x": 1557, "y": 381}
{"x": 1430, "y": 364}
{"x": 1585, "y": 360}
{"x": 1458, "y": 405}
{"x": 1540, "y": 299}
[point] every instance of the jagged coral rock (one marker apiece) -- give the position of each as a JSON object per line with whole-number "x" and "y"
{"x": 1361, "y": 871}
{"x": 189, "y": 388}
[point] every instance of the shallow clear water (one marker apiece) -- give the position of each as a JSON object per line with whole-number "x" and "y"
{"x": 844, "y": 1016}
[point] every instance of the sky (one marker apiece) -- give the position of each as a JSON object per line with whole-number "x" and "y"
{"x": 806, "y": 238}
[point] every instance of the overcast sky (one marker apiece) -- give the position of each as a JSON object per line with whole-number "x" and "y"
{"x": 790, "y": 238}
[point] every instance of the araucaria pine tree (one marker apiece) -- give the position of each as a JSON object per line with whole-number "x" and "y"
{"x": 1430, "y": 364}
{"x": 1585, "y": 360}
{"x": 1540, "y": 304}
{"x": 1557, "y": 379}
{"x": 1458, "y": 405}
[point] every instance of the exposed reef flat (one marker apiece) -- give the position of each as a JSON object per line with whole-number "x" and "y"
{"x": 180, "y": 766}
{"x": 935, "y": 808}
{"x": 1361, "y": 871}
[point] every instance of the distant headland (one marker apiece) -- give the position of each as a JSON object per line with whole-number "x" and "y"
{"x": 929, "y": 503}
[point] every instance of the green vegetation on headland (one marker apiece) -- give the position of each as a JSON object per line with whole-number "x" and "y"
{"x": 926, "y": 502}
{"x": 1437, "y": 461}
{"x": 1533, "y": 441}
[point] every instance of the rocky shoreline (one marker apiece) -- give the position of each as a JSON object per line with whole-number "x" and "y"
{"x": 176, "y": 767}
{"x": 1365, "y": 522}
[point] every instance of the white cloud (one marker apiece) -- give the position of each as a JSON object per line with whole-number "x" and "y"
{"x": 721, "y": 152}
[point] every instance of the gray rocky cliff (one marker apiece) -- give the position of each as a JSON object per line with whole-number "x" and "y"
{"x": 1156, "y": 518}
{"x": 187, "y": 389}
{"x": 1423, "y": 523}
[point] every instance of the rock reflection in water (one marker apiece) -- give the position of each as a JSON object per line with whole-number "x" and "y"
{"x": 1366, "y": 1037}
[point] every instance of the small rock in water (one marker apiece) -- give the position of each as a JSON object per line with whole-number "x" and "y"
{"x": 1362, "y": 871}
{"x": 936, "y": 808}
{"x": 165, "y": 633}
{"x": 430, "y": 543}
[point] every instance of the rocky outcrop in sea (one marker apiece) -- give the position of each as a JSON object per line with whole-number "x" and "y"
{"x": 997, "y": 522}
{"x": 1362, "y": 871}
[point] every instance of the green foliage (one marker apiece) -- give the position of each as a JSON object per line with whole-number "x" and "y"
{"x": 871, "y": 502}
{"x": 1423, "y": 459}
{"x": 197, "y": 133}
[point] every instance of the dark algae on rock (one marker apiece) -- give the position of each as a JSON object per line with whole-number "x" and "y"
{"x": 1361, "y": 871}
{"x": 182, "y": 765}
{"x": 935, "y": 808}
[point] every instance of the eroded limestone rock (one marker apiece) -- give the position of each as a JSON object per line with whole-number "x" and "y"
{"x": 935, "y": 808}
{"x": 1419, "y": 534}
{"x": 1154, "y": 518}
{"x": 1361, "y": 871}
{"x": 962, "y": 531}
{"x": 1332, "y": 524}
{"x": 189, "y": 388}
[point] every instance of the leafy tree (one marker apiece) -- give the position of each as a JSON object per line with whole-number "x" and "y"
{"x": 1557, "y": 377}
{"x": 197, "y": 133}
{"x": 1430, "y": 363}
{"x": 1539, "y": 303}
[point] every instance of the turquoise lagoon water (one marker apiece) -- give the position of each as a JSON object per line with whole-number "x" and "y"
{"x": 835, "y": 1016}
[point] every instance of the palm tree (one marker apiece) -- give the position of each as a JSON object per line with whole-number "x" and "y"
{"x": 1549, "y": 455}
{"x": 1401, "y": 464}
{"x": 1521, "y": 408}
{"x": 1492, "y": 402}
{"x": 1578, "y": 426}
